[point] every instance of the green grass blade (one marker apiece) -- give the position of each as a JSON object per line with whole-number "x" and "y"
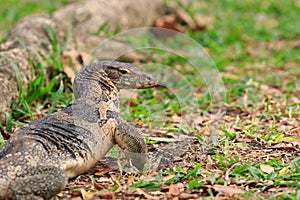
{"x": 50, "y": 86}
{"x": 28, "y": 109}
{"x": 67, "y": 39}
{"x": 1, "y": 141}
{"x": 53, "y": 38}
{"x": 8, "y": 122}
{"x": 56, "y": 98}
{"x": 101, "y": 28}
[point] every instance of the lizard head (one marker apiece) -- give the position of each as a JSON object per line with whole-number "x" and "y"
{"x": 126, "y": 76}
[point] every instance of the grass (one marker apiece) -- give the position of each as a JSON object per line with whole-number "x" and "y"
{"x": 44, "y": 94}
{"x": 253, "y": 44}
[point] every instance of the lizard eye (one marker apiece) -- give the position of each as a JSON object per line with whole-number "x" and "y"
{"x": 123, "y": 71}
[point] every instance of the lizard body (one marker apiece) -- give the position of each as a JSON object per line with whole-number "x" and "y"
{"x": 39, "y": 158}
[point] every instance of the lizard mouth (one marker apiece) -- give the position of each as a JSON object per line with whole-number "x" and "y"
{"x": 161, "y": 86}
{"x": 156, "y": 85}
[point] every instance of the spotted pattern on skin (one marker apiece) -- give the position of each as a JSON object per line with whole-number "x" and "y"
{"x": 102, "y": 122}
{"x": 104, "y": 97}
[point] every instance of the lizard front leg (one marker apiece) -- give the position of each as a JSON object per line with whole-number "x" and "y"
{"x": 131, "y": 140}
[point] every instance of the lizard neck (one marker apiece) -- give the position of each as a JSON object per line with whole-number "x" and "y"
{"x": 92, "y": 83}
{"x": 95, "y": 91}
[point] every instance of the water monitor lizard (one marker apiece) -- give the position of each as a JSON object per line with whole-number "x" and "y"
{"x": 38, "y": 159}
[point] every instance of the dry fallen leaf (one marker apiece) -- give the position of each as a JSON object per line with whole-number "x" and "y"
{"x": 147, "y": 194}
{"x": 103, "y": 171}
{"x": 73, "y": 60}
{"x": 266, "y": 168}
{"x": 169, "y": 22}
{"x": 203, "y": 22}
{"x": 185, "y": 17}
{"x": 295, "y": 44}
{"x": 108, "y": 195}
{"x": 286, "y": 145}
{"x": 130, "y": 180}
{"x": 242, "y": 139}
{"x": 174, "y": 190}
{"x": 98, "y": 186}
{"x": 229, "y": 190}
{"x": 86, "y": 195}
{"x": 185, "y": 195}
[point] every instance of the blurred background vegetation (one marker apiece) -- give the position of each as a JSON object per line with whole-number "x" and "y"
{"x": 256, "y": 46}
{"x": 13, "y": 10}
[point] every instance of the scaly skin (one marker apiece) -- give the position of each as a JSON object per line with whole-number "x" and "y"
{"x": 38, "y": 159}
